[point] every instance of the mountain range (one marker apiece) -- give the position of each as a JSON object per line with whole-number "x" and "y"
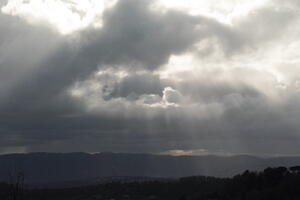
{"x": 63, "y": 167}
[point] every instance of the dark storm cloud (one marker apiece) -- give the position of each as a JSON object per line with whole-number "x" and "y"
{"x": 38, "y": 68}
{"x": 133, "y": 34}
{"x": 21, "y": 46}
{"x": 35, "y": 96}
{"x": 130, "y": 36}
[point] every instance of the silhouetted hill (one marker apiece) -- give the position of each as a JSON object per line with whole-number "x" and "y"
{"x": 279, "y": 183}
{"x": 61, "y": 167}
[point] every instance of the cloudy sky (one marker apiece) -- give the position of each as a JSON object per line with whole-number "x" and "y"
{"x": 157, "y": 76}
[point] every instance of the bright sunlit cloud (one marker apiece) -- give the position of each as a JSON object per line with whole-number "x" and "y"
{"x": 66, "y": 16}
{"x": 224, "y": 11}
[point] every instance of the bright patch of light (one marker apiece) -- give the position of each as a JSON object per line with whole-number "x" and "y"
{"x": 65, "y": 15}
{"x": 178, "y": 152}
{"x": 178, "y": 63}
{"x": 110, "y": 71}
{"x": 223, "y": 11}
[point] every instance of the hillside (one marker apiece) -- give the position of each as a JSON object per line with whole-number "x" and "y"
{"x": 60, "y": 167}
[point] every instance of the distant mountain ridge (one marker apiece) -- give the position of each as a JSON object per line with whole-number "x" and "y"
{"x": 60, "y": 167}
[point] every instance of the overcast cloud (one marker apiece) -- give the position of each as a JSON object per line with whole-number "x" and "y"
{"x": 150, "y": 76}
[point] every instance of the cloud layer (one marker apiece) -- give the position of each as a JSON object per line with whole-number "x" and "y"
{"x": 151, "y": 78}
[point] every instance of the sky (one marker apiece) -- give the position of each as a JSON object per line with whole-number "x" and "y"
{"x": 175, "y": 77}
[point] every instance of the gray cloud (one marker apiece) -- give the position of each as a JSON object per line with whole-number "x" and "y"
{"x": 65, "y": 93}
{"x": 137, "y": 85}
{"x": 130, "y": 36}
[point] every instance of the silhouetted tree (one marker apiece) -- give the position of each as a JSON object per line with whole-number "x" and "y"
{"x": 295, "y": 169}
{"x": 16, "y": 191}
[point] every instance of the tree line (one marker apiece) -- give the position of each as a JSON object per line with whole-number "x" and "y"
{"x": 279, "y": 183}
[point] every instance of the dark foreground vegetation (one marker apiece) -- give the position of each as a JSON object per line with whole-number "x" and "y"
{"x": 273, "y": 183}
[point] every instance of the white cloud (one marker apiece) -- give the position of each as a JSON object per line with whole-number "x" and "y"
{"x": 171, "y": 96}
{"x": 66, "y": 16}
{"x": 223, "y": 11}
